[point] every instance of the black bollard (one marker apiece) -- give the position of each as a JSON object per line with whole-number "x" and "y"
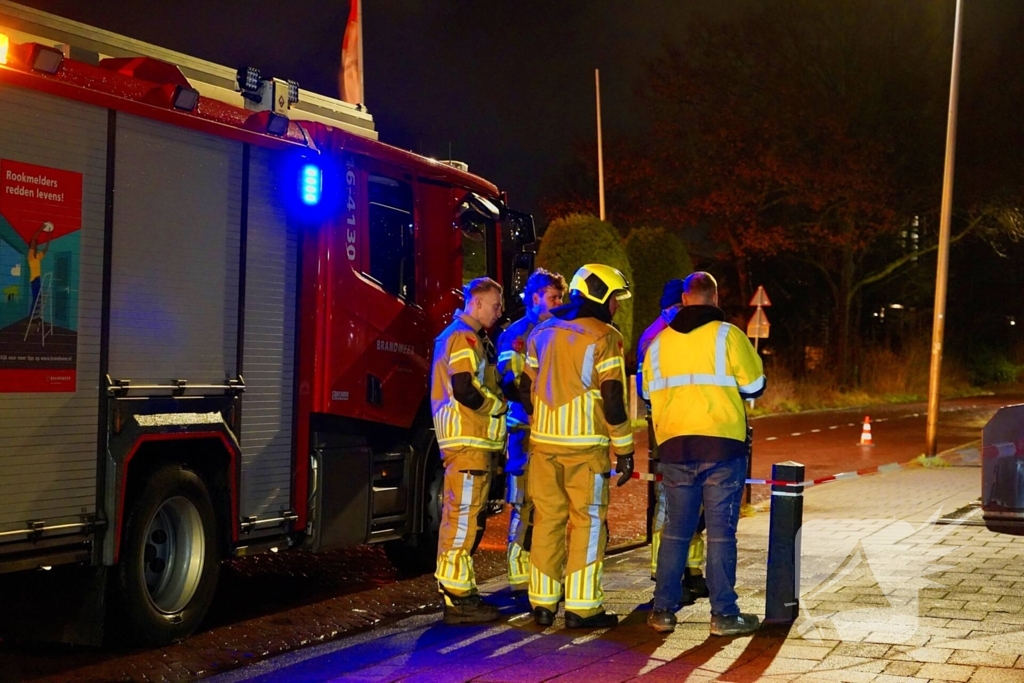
{"x": 782, "y": 601}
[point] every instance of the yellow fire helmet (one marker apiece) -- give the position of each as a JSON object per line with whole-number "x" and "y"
{"x": 599, "y": 282}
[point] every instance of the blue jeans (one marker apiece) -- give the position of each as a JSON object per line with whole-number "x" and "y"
{"x": 719, "y": 485}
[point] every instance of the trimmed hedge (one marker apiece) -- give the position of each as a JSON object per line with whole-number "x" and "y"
{"x": 577, "y": 239}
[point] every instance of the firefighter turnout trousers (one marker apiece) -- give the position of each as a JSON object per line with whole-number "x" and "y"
{"x": 569, "y": 490}
{"x": 520, "y": 531}
{"x": 520, "y": 523}
{"x": 467, "y": 482}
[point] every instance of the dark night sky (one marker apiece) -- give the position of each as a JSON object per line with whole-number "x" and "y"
{"x": 508, "y": 84}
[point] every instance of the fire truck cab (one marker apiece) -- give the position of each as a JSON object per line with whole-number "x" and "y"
{"x": 220, "y": 297}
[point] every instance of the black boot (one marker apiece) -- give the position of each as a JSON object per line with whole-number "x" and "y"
{"x": 599, "y": 620}
{"x": 468, "y": 610}
{"x": 542, "y": 616}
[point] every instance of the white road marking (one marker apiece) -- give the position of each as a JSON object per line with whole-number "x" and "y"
{"x": 511, "y": 647}
{"x": 478, "y": 637}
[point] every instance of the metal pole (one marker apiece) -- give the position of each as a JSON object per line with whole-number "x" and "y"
{"x": 362, "y": 82}
{"x": 600, "y": 151}
{"x": 942, "y": 268}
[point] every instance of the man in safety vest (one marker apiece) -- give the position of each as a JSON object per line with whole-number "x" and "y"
{"x": 573, "y": 388}
{"x": 694, "y": 585}
{"x": 697, "y": 373}
{"x": 544, "y": 291}
{"x": 469, "y": 420}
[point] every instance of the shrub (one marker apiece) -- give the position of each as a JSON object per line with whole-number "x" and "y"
{"x": 988, "y": 366}
{"x": 577, "y": 239}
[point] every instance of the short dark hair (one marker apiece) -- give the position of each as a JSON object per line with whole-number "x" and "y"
{"x": 540, "y": 280}
{"x": 479, "y": 286}
{"x": 700, "y": 284}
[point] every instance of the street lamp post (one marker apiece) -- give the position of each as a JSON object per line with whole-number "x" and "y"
{"x": 942, "y": 269}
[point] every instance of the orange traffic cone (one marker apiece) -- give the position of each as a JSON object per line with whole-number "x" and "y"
{"x": 865, "y": 434}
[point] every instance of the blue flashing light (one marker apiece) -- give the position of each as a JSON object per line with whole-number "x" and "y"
{"x": 311, "y": 184}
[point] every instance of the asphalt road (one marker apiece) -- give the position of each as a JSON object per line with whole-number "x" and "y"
{"x": 271, "y": 604}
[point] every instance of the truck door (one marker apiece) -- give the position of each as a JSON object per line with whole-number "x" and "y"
{"x": 397, "y": 353}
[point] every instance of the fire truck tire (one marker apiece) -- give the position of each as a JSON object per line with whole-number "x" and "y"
{"x": 170, "y": 561}
{"x": 418, "y": 554}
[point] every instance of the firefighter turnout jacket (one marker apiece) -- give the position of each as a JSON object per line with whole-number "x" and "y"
{"x": 465, "y": 397}
{"x": 696, "y": 374}
{"x": 511, "y": 361}
{"x": 577, "y": 377}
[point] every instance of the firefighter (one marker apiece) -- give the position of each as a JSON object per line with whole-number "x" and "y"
{"x": 544, "y": 291}
{"x": 573, "y": 388}
{"x": 469, "y": 420}
{"x": 697, "y": 372}
{"x": 694, "y": 585}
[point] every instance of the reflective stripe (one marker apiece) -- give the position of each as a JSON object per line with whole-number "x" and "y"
{"x": 473, "y": 442}
{"x": 518, "y": 564}
{"x": 654, "y": 353}
{"x": 505, "y": 355}
{"x": 532, "y": 362}
{"x": 455, "y": 571}
{"x": 622, "y": 441}
{"x": 464, "y": 354}
{"x": 584, "y": 589}
{"x": 723, "y": 335}
{"x": 543, "y": 589}
{"x": 754, "y": 387}
{"x": 560, "y": 440}
{"x": 609, "y": 364}
{"x": 588, "y": 366}
{"x": 719, "y": 379}
{"x": 464, "y": 505}
{"x": 595, "y": 520}
{"x": 691, "y": 380}
{"x": 513, "y": 489}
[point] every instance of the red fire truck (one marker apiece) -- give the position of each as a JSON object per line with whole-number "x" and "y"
{"x": 219, "y": 299}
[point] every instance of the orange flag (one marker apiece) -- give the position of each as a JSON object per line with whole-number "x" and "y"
{"x": 350, "y": 75}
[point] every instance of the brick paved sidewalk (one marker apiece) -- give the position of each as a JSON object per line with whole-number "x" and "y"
{"x": 887, "y": 596}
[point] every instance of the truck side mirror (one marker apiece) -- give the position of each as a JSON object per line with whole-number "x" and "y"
{"x": 521, "y": 228}
{"x": 522, "y": 267}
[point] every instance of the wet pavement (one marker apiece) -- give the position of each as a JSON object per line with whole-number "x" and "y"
{"x": 887, "y": 596}
{"x": 270, "y": 604}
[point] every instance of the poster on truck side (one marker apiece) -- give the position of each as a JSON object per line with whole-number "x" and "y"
{"x": 40, "y": 245}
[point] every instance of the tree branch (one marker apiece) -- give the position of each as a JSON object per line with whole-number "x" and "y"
{"x": 907, "y": 258}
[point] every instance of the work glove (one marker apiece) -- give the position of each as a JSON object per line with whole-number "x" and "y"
{"x": 624, "y": 466}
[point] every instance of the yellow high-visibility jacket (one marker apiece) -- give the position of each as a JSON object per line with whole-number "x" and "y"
{"x": 567, "y": 361}
{"x": 696, "y": 382}
{"x": 463, "y": 348}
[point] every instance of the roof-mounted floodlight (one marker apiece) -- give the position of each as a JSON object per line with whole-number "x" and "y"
{"x": 185, "y": 98}
{"x": 45, "y": 59}
{"x": 277, "y": 124}
{"x": 250, "y": 83}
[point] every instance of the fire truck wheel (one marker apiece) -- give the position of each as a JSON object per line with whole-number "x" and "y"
{"x": 169, "y": 558}
{"x": 418, "y": 555}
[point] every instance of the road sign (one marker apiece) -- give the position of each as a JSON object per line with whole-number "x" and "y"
{"x": 758, "y": 326}
{"x": 760, "y": 298}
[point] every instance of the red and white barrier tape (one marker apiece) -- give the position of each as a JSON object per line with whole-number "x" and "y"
{"x": 966, "y": 455}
